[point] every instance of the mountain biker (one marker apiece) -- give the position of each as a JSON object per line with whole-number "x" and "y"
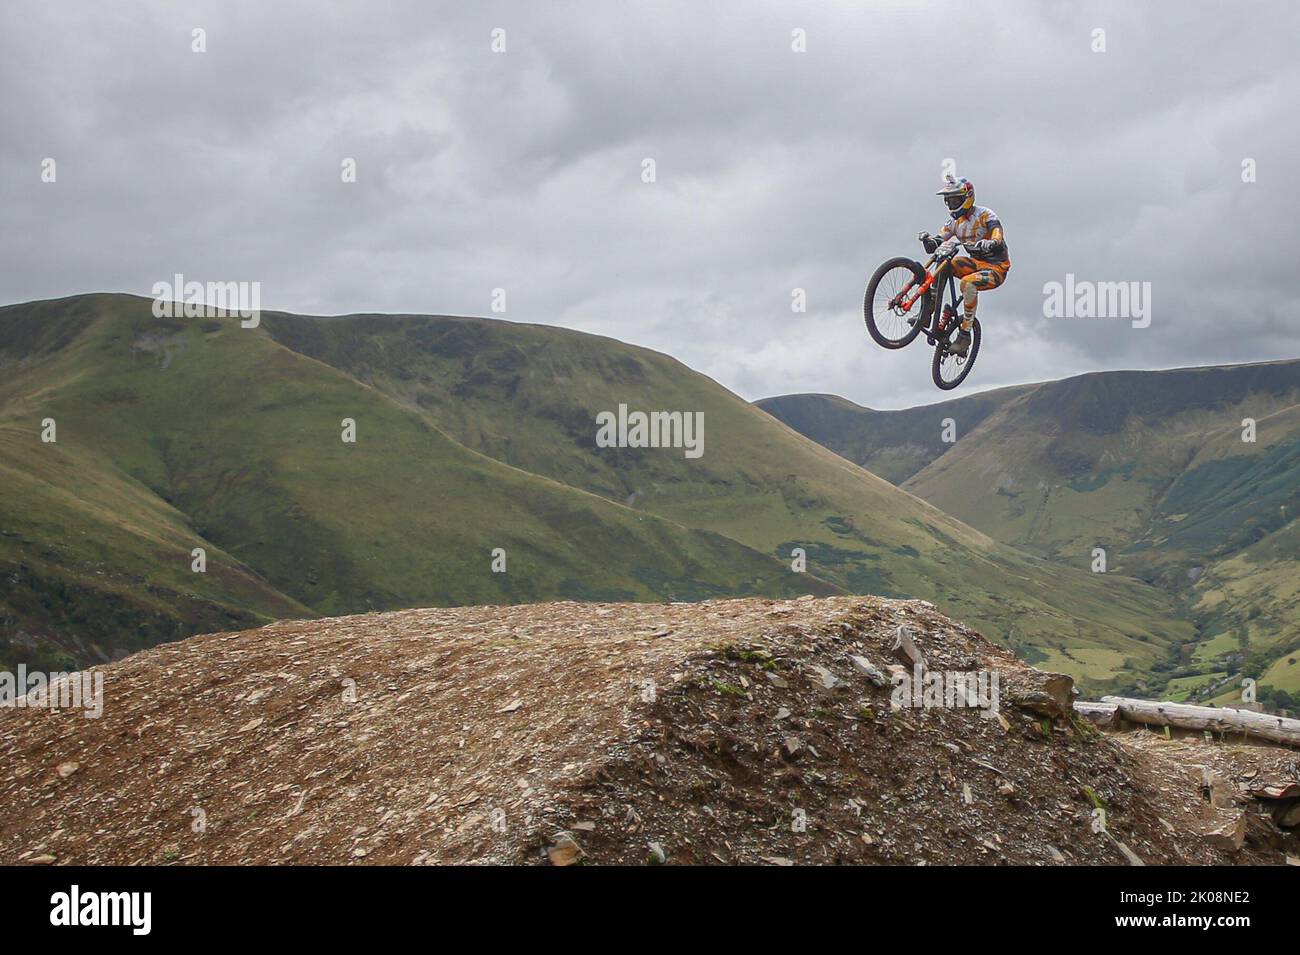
{"x": 980, "y": 231}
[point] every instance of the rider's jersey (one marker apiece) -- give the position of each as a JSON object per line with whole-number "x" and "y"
{"x": 980, "y": 223}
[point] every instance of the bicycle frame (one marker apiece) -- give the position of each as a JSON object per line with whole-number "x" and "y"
{"x": 902, "y": 300}
{"x": 905, "y": 301}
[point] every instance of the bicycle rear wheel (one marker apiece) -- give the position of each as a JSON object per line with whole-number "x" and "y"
{"x": 949, "y": 370}
{"x": 889, "y": 326}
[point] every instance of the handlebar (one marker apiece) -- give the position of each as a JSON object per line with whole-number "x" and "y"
{"x": 936, "y": 257}
{"x": 952, "y": 244}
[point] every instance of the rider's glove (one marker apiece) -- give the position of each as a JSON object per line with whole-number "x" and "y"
{"x": 928, "y": 242}
{"x": 981, "y": 247}
{"x": 948, "y": 246}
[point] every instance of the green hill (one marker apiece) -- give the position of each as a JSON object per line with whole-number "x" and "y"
{"x": 471, "y": 434}
{"x": 892, "y": 444}
{"x": 1150, "y": 466}
{"x": 175, "y": 435}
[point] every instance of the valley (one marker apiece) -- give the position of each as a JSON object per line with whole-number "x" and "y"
{"x": 1188, "y": 480}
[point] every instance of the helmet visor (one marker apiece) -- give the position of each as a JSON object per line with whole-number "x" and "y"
{"x": 954, "y": 200}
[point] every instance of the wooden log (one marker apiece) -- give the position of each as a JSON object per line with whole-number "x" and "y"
{"x": 1102, "y": 715}
{"x": 1277, "y": 729}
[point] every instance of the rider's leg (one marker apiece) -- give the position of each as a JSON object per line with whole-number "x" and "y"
{"x": 975, "y": 277}
{"x": 981, "y": 278}
{"x": 963, "y": 268}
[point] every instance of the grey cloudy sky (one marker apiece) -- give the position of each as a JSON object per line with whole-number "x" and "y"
{"x": 775, "y": 169}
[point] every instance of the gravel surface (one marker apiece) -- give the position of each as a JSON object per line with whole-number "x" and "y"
{"x": 749, "y": 731}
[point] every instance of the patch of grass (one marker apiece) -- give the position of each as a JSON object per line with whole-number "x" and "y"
{"x": 728, "y": 689}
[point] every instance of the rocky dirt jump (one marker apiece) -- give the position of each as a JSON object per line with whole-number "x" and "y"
{"x": 748, "y": 731}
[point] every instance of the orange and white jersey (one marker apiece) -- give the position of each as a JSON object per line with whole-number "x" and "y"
{"x": 980, "y": 223}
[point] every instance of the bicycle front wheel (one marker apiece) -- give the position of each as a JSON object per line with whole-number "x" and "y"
{"x": 886, "y": 322}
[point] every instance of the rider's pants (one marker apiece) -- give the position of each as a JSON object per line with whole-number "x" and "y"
{"x": 977, "y": 276}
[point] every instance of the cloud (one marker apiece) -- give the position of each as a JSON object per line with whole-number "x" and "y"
{"x": 775, "y": 170}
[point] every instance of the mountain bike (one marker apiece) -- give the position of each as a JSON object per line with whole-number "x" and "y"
{"x": 905, "y": 298}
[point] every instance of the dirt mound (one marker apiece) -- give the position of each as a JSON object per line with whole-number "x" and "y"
{"x": 737, "y": 731}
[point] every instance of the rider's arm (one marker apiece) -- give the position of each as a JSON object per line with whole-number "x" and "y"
{"x": 932, "y": 242}
{"x": 993, "y": 244}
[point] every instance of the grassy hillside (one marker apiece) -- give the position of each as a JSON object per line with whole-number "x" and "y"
{"x": 1093, "y": 461}
{"x": 1150, "y": 466}
{"x": 528, "y": 395}
{"x": 471, "y": 434}
{"x": 175, "y": 435}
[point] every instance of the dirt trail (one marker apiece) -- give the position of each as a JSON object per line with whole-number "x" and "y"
{"x": 737, "y": 731}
